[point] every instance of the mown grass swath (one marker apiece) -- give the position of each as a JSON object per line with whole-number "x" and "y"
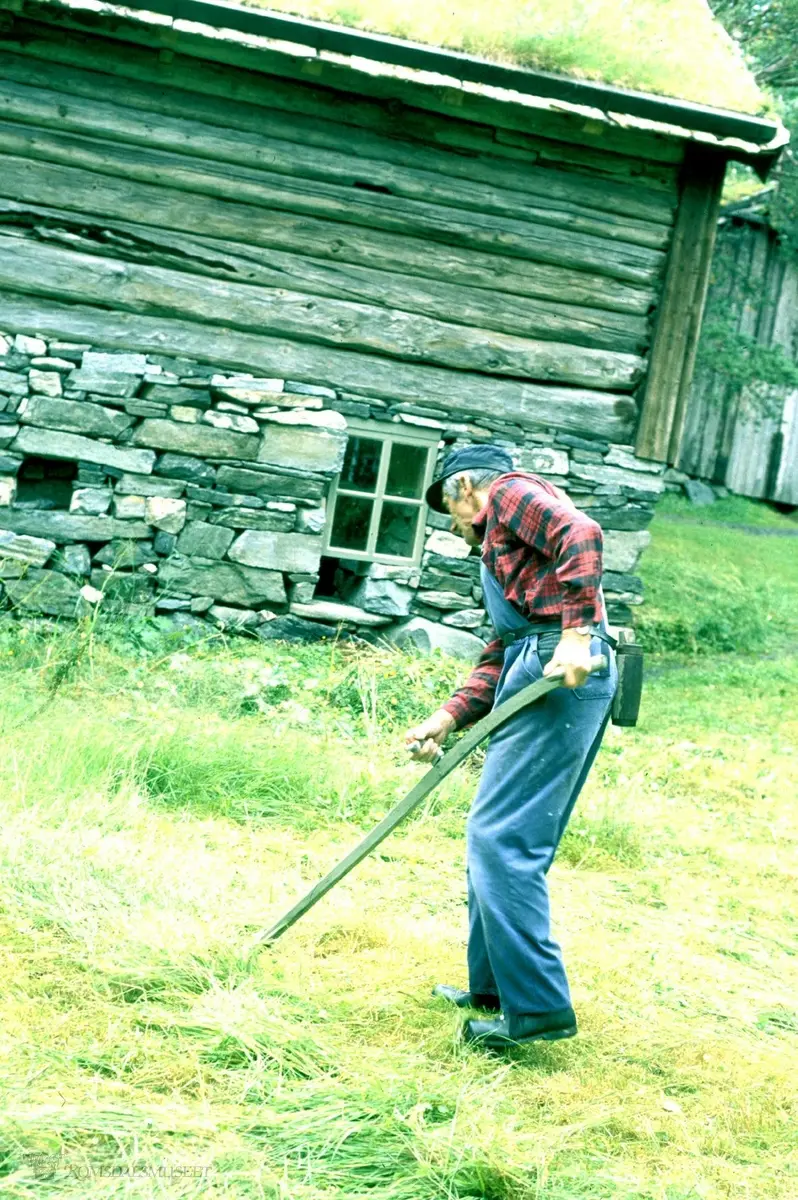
{"x": 166, "y": 800}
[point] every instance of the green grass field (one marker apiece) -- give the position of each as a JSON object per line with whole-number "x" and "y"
{"x": 713, "y": 587}
{"x": 161, "y": 803}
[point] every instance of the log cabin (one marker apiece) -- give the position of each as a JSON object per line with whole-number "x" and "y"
{"x": 257, "y": 273}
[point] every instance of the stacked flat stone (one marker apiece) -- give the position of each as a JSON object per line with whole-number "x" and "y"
{"x": 201, "y": 493}
{"x": 192, "y": 486}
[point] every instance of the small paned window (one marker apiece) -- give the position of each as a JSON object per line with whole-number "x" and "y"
{"x": 377, "y": 507}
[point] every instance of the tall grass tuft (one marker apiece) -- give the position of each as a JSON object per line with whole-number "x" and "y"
{"x": 241, "y": 772}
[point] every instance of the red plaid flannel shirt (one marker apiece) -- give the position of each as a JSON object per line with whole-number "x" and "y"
{"x": 547, "y": 557}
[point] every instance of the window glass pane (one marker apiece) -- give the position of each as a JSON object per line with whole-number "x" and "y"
{"x": 398, "y": 525}
{"x": 406, "y": 472}
{"x": 350, "y": 529}
{"x": 361, "y": 465}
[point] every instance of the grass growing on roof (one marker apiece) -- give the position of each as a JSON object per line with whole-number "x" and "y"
{"x": 671, "y": 47}
{"x": 169, "y": 800}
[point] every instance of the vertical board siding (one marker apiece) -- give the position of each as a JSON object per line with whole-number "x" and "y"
{"x": 782, "y": 483}
{"x": 703, "y": 426}
{"x": 786, "y": 488}
{"x": 749, "y": 442}
{"x": 672, "y": 358}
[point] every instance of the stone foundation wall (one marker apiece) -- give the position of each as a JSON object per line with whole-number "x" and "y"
{"x": 168, "y": 485}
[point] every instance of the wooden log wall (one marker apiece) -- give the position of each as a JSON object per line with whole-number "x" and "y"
{"x": 748, "y": 442}
{"x": 268, "y": 223}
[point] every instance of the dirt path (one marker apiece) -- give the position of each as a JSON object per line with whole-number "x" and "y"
{"x": 757, "y": 530}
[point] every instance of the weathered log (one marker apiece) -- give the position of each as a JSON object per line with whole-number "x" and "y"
{"x": 530, "y": 405}
{"x": 631, "y": 199}
{"x": 567, "y": 295}
{"x": 579, "y": 326}
{"x": 261, "y": 190}
{"x": 393, "y": 107}
{"x": 586, "y": 324}
{"x": 273, "y": 158}
{"x": 47, "y": 270}
{"x": 639, "y": 165}
{"x": 103, "y": 195}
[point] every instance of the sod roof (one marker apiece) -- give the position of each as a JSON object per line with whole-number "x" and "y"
{"x": 669, "y": 47}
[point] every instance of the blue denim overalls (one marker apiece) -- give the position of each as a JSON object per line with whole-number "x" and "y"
{"x": 534, "y": 770}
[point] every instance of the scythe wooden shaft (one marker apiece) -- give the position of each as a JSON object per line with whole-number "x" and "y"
{"x": 445, "y": 765}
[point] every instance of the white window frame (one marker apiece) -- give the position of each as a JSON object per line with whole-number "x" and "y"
{"x": 388, "y": 435}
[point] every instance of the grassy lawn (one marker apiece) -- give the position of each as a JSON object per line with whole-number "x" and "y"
{"x": 162, "y": 803}
{"x": 714, "y": 586}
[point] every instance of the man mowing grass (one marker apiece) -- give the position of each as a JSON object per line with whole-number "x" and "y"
{"x": 541, "y": 577}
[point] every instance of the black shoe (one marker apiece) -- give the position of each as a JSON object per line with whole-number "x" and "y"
{"x": 517, "y": 1031}
{"x": 467, "y": 999}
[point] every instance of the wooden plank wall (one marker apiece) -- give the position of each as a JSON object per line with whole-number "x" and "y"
{"x": 786, "y": 487}
{"x": 397, "y": 253}
{"x": 728, "y": 438}
{"x": 667, "y": 388}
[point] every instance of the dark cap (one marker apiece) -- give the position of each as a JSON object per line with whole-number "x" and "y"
{"x": 469, "y": 458}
